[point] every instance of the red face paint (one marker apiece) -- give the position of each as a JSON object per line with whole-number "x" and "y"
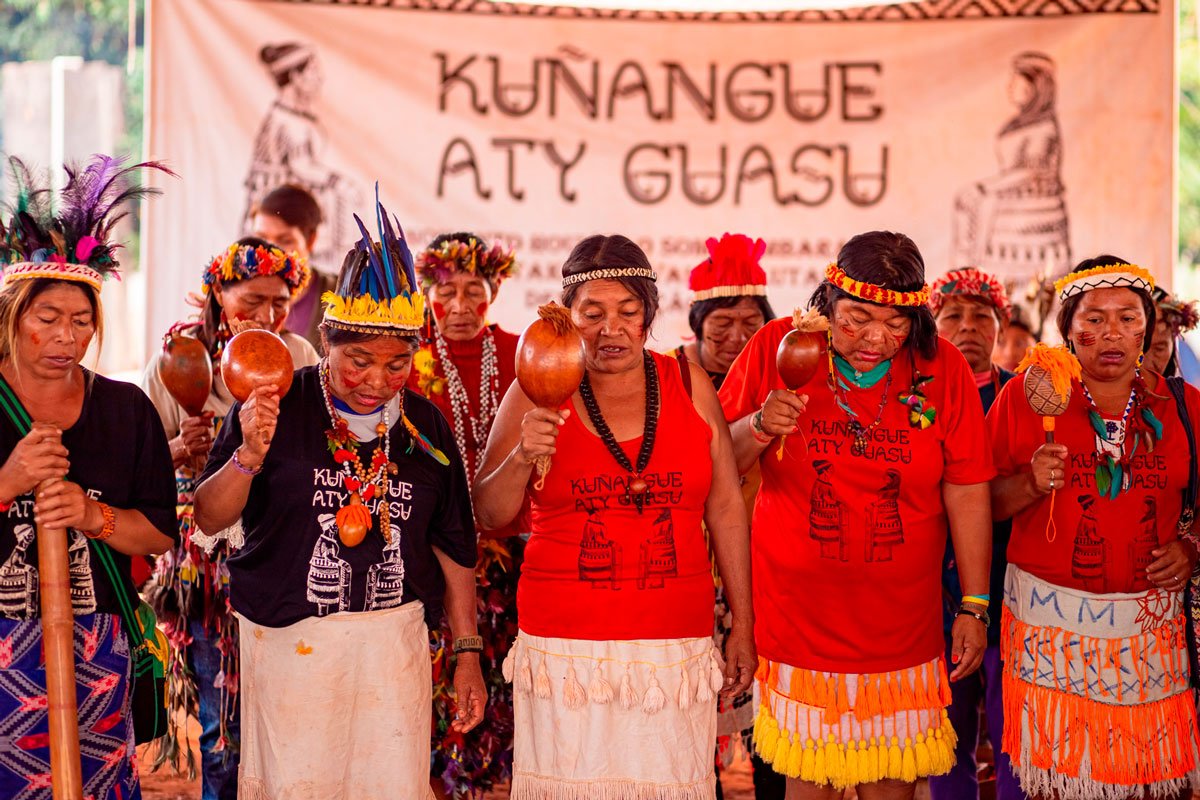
{"x": 481, "y": 309}
{"x": 33, "y": 337}
{"x": 439, "y": 310}
{"x": 396, "y": 383}
{"x": 847, "y": 331}
{"x": 898, "y": 340}
{"x": 1087, "y": 339}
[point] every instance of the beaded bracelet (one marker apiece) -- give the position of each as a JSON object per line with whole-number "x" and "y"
{"x": 242, "y": 468}
{"x": 109, "y": 526}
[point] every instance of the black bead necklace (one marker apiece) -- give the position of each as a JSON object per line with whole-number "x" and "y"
{"x": 635, "y": 487}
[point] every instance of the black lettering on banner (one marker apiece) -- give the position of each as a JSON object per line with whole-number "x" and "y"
{"x": 448, "y": 80}
{"x": 564, "y": 166}
{"x": 640, "y": 85}
{"x": 793, "y": 100}
{"x": 506, "y": 96}
{"x": 706, "y": 104}
{"x": 852, "y": 91}
{"x": 758, "y": 102}
{"x": 586, "y": 99}
{"x": 461, "y": 164}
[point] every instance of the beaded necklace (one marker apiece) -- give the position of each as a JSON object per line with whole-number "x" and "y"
{"x": 635, "y": 487}
{"x": 1113, "y": 448}
{"x": 841, "y": 393}
{"x": 460, "y": 403}
{"x": 361, "y": 482}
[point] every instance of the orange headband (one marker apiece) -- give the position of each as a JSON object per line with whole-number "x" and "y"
{"x": 872, "y": 293}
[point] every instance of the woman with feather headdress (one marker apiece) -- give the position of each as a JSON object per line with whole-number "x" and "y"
{"x": 348, "y": 518}
{"x": 93, "y": 451}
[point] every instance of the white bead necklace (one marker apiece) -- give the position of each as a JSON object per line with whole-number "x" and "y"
{"x": 460, "y": 402}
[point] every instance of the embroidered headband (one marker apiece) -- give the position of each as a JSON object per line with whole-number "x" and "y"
{"x": 731, "y": 269}
{"x": 438, "y": 265}
{"x": 1111, "y": 276}
{"x": 873, "y": 293}
{"x": 970, "y": 282}
{"x": 72, "y": 244}
{"x": 609, "y": 272}
{"x": 243, "y": 262}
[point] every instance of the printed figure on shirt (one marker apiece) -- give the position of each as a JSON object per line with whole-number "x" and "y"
{"x": 599, "y": 557}
{"x": 19, "y": 581}
{"x": 826, "y": 516}
{"x": 658, "y": 560}
{"x": 885, "y": 529}
{"x": 1087, "y": 559}
{"x": 328, "y": 575}
{"x": 1141, "y": 549}
{"x": 385, "y": 581}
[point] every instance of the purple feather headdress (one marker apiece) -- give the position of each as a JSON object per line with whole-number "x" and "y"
{"x": 72, "y": 241}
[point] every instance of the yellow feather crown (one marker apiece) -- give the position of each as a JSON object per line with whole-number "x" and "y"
{"x": 404, "y": 313}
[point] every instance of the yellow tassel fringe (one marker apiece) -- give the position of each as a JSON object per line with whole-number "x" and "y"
{"x": 845, "y": 765}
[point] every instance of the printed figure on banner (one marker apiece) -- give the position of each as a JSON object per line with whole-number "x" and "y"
{"x": 290, "y": 143}
{"x": 1014, "y": 223}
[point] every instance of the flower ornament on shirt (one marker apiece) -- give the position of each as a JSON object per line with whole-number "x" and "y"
{"x": 428, "y": 381}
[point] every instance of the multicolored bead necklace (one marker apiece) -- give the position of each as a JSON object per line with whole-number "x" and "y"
{"x": 362, "y": 483}
{"x": 841, "y": 394}
{"x": 1114, "y": 452}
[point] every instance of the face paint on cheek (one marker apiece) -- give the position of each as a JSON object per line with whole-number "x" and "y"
{"x": 1087, "y": 339}
{"x": 846, "y": 331}
{"x": 481, "y": 309}
{"x": 439, "y": 310}
{"x": 396, "y": 382}
{"x": 33, "y": 337}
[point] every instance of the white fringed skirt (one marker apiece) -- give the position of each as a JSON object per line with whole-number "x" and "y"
{"x": 614, "y": 720}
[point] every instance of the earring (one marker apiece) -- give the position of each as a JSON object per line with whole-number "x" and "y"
{"x": 1141, "y": 358}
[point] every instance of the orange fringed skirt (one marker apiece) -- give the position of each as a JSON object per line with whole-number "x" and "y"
{"x": 1097, "y": 704}
{"x": 843, "y": 730}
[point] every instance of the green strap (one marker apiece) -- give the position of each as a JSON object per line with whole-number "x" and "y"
{"x": 20, "y": 418}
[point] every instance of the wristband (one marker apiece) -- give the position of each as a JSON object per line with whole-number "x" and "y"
{"x": 756, "y": 428}
{"x": 242, "y": 468}
{"x": 981, "y": 616}
{"x": 468, "y": 644}
{"x": 978, "y": 599}
{"x": 109, "y": 526}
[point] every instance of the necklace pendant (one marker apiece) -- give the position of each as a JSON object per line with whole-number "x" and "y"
{"x": 638, "y": 485}
{"x": 353, "y": 521}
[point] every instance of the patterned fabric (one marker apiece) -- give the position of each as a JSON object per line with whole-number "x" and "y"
{"x": 1097, "y": 703}
{"x": 468, "y": 765}
{"x": 102, "y": 695}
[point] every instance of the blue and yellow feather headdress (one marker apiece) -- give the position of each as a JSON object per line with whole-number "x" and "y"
{"x": 377, "y": 286}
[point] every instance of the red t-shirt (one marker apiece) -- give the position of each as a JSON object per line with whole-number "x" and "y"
{"x": 594, "y": 567}
{"x": 1100, "y": 545}
{"x": 847, "y": 550}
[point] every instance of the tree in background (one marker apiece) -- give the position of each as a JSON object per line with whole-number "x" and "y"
{"x": 97, "y": 30}
{"x": 1189, "y": 135}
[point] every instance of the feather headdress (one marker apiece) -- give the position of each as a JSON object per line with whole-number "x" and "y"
{"x": 377, "y": 286}
{"x": 70, "y": 242}
{"x": 377, "y": 293}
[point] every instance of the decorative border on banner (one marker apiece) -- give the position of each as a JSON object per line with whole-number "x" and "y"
{"x": 912, "y": 11}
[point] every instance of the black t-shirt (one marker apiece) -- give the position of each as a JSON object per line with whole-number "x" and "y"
{"x": 119, "y": 455}
{"x": 293, "y": 565}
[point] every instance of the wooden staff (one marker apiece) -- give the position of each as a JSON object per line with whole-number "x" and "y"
{"x": 58, "y": 634}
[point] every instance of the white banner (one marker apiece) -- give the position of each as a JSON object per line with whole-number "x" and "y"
{"x": 1018, "y": 135}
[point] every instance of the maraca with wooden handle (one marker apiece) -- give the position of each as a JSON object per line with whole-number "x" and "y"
{"x": 801, "y": 354}
{"x": 185, "y": 369}
{"x": 550, "y": 365}
{"x": 256, "y": 358}
{"x": 1047, "y": 384}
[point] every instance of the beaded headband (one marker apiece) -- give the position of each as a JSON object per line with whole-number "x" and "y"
{"x": 1111, "y": 276}
{"x": 611, "y": 272}
{"x": 243, "y": 262}
{"x": 970, "y": 282}
{"x": 59, "y": 271}
{"x": 873, "y": 293}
